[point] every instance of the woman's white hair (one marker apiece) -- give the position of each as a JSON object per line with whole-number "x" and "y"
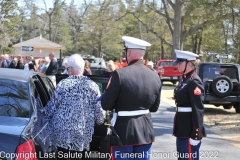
{"x": 76, "y": 62}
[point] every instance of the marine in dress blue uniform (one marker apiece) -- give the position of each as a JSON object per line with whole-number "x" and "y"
{"x": 134, "y": 92}
{"x": 188, "y": 121}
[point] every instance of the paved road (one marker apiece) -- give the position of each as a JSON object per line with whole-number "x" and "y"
{"x": 213, "y": 146}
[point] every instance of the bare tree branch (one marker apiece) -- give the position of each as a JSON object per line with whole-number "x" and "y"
{"x": 122, "y": 16}
{"x": 45, "y": 5}
{"x": 189, "y": 11}
{"x": 157, "y": 11}
{"x": 85, "y": 9}
{"x": 30, "y": 8}
{"x": 207, "y": 23}
{"x": 151, "y": 30}
{"x": 171, "y": 3}
{"x": 168, "y": 18}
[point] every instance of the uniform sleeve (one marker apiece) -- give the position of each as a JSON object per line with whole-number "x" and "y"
{"x": 111, "y": 93}
{"x": 156, "y": 104}
{"x": 196, "y": 92}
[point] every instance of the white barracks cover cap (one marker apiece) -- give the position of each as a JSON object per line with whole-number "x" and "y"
{"x": 131, "y": 42}
{"x": 184, "y": 55}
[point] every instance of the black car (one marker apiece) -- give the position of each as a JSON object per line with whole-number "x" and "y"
{"x": 221, "y": 83}
{"x": 17, "y": 88}
{"x": 17, "y": 91}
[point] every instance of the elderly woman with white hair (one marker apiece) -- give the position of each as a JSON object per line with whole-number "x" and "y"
{"x": 73, "y": 109}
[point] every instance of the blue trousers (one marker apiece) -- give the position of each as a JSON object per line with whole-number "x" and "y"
{"x": 139, "y": 152}
{"x": 186, "y": 151}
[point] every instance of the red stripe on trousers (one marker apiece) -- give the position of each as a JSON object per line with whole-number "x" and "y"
{"x": 111, "y": 151}
{"x": 189, "y": 150}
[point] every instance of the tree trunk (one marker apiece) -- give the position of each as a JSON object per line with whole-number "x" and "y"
{"x": 199, "y": 44}
{"x": 99, "y": 49}
{"x": 139, "y": 15}
{"x": 177, "y": 27}
{"x": 162, "y": 50}
{"x": 50, "y": 27}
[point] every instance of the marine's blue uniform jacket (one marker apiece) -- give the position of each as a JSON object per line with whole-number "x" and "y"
{"x": 189, "y": 93}
{"x": 132, "y": 88}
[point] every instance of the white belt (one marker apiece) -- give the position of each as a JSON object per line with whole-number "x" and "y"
{"x": 132, "y": 113}
{"x": 125, "y": 113}
{"x": 184, "y": 109}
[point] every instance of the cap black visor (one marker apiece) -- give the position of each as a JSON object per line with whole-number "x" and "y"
{"x": 179, "y": 60}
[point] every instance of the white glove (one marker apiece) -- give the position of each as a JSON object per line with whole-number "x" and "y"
{"x": 194, "y": 142}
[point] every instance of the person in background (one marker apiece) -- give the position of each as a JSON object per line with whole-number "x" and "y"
{"x": 27, "y": 61}
{"x": 134, "y": 92}
{"x": 7, "y": 59}
{"x": 45, "y": 65}
{"x": 13, "y": 63}
{"x": 4, "y": 62}
{"x": 34, "y": 64}
{"x": 188, "y": 122}
{"x": 117, "y": 64}
{"x": 124, "y": 63}
{"x": 1, "y": 60}
{"x": 111, "y": 66}
{"x": 87, "y": 70}
{"x": 31, "y": 67}
{"x": 40, "y": 64}
{"x": 145, "y": 61}
{"x": 65, "y": 66}
{"x": 73, "y": 109}
{"x": 52, "y": 69}
{"x": 19, "y": 63}
{"x": 150, "y": 66}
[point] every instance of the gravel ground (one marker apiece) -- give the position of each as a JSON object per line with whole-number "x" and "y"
{"x": 225, "y": 123}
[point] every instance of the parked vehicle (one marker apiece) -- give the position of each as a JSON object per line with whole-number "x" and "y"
{"x": 221, "y": 83}
{"x": 168, "y": 71}
{"x": 17, "y": 93}
{"x": 98, "y": 65}
{"x": 17, "y": 88}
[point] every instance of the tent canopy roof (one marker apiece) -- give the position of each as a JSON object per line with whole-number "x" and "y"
{"x": 40, "y": 43}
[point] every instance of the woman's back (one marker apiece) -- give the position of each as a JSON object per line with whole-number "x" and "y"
{"x": 77, "y": 111}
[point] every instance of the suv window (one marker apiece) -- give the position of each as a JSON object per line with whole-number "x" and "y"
{"x": 14, "y": 99}
{"x": 212, "y": 71}
{"x": 167, "y": 64}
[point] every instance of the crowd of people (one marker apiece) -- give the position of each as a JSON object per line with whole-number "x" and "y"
{"x": 27, "y": 63}
{"x": 48, "y": 65}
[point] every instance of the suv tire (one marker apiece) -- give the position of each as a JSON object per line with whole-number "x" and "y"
{"x": 227, "y": 106}
{"x": 222, "y": 86}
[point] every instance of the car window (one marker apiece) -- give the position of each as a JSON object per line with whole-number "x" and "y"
{"x": 48, "y": 85}
{"x": 42, "y": 90}
{"x": 212, "y": 71}
{"x": 14, "y": 98}
{"x": 167, "y": 64}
